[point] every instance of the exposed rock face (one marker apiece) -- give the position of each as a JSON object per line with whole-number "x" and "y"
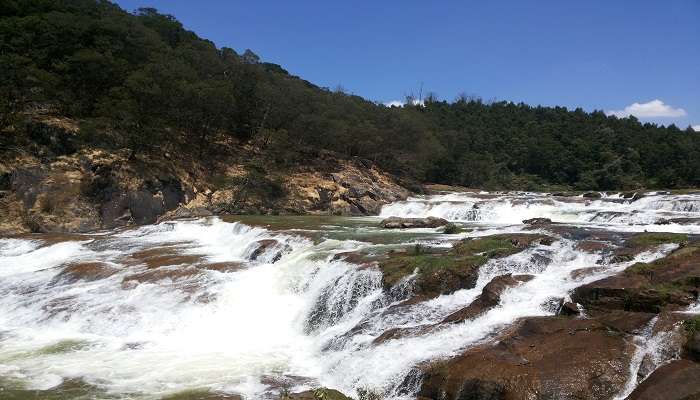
{"x": 355, "y": 187}
{"x": 403, "y": 223}
{"x": 81, "y": 190}
{"x": 677, "y": 380}
{"x": 543, "y": 358}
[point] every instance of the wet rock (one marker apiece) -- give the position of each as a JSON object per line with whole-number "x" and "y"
{"x": 317, "y": 394}
{"x": 628, "y": 322}
{"x": 592, "y": 195}
{"x": 540, "y": 358}
{"x": 633, "y": 196}
{"x": 679, "y": 221}
{"x": 537, "y": 221}
{"x": 490, "y": 297}
{"x": 677, "y": 380}
{"x": 159, "y": 274}
{"x": 672, "y": 281}
{"x": 569, "y": 308}
{"x": 89, "y": 271}
{"x": 221, "y": 266}
{"x": 265, "y": 245}
{"x": 162, "y": 257}
{"x": 403, "y": 223}
{"x": 592, "y": 246}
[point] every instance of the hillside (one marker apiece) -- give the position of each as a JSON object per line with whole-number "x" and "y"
{"x": 84, "y": 81}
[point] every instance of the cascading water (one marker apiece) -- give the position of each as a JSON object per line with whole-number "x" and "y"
{"x": 222, "y": 305}
{"x": 613, "y": 212}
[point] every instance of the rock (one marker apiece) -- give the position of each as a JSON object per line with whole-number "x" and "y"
{"x": 185, "y": 213}
{"x": 262, "y": 246}
{"x": 403, "y": 223}
{"x": 489, "y": 298}
{"x": 592, "y": 195}
{"x": 89, "y": 271}
{"x": 679, "y": 221}
{"x": 671, "y": 281}
{"x": 537, "y": 221}
{"x": 316, "y": 394}
{"x": 569, "y": 308}
{"x": 540, "y": 358}
{"x": 691, "y": 348}
{"x": 632, "y": 323}
{"x": 159, "y": 274}
{"x": 677, "y": 380}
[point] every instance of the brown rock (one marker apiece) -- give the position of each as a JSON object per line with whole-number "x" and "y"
{"x": 677, "y": 380}
{"x": 541, "y": 358}
{"x": 89, "y": 271}
{"x": 490, "y": 297}
{"x": 569, "y": 308}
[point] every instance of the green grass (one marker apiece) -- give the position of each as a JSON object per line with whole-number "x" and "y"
{"x": 649, "y": 239}
{"x": 464, "y": 254}
{"x": 496, "y": 246}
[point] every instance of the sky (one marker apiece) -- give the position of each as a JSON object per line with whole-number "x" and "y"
{"x": 637, "y": 57}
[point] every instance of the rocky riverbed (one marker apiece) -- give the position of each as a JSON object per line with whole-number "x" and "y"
{"x": 595, "y": 299}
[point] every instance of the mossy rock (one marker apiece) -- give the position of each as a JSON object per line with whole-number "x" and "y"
{"x": 445, "y": 271}
{"x": 651, "y": 239}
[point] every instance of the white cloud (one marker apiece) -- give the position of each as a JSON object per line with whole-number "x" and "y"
{"x": 653, "y": 109}
{"x": 399, "y": 103}
{"x": 696, "y": 128}
{"x": 394, "y": 103}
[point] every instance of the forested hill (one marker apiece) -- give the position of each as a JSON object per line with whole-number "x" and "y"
{"x": 141, "y": 81}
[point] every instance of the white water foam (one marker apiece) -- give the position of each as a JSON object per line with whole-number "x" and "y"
{"x": 294, "y": 311}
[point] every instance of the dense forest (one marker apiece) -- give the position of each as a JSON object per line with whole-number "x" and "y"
{"x": 142, "y": 82}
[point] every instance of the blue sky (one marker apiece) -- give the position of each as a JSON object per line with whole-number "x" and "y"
{"x": 640, "y": 57}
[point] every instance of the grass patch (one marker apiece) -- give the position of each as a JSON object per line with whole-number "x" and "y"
{"x": 490, "y": 246}
{"x": 464, "y": 254}
{"x": 649, "y": 239}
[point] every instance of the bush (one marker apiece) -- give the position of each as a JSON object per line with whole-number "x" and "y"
{"x": 451, "y": 229}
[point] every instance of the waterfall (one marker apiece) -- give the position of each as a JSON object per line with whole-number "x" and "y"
{"x": 159, "y": 309}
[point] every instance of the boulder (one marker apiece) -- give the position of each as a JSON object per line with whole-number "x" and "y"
{"x": 592, "y": 195}
{"x": 677, "y": 380}
{"x": 540, "y": 358}
{"x": 403, "y": 223}
{"x": 569, "y": 308}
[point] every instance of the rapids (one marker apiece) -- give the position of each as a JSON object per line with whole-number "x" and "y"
{"x": 153, "y": 311}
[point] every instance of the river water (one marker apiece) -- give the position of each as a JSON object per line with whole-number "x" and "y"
{"x": 256, "y": 305}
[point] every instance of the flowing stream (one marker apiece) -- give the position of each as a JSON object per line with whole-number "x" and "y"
{"x": 257, "y": 305}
